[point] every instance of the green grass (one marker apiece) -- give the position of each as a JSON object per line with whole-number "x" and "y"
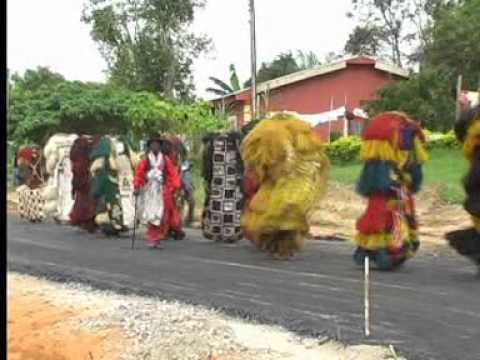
{"x": 444, "y": 170}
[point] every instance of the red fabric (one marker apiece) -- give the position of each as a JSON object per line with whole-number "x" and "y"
{"x": 385, "y": 125}
{"x": 25, "y": 153}
{"x": 250, "y": 186}
{"x": 140, "y": 172}
{"x": 83, "y": 211}
{"x": 171, "y": 216}
{"x": 377, "y": 217}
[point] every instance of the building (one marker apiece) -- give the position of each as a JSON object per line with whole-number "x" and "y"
{"x": 330, "y": 97}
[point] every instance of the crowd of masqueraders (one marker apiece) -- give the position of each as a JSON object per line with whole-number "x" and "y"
{"x": 262, "y": 183}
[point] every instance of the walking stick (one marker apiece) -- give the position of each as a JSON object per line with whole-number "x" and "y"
{"x": 367, "y": 295}
{"x": 134, "y": 221}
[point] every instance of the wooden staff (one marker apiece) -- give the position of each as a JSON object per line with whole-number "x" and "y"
{"x": 367, "y": 295}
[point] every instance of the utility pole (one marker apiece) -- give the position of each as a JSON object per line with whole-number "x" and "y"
{"x": 458, "y": 110}
{"x": 253, "y": 60}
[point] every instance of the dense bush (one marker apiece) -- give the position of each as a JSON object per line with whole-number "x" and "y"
{"x": 347, "y": 149}
{"x": 343, "y": 150}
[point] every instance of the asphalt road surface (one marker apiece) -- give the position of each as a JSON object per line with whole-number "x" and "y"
{"x": 429, "y": 309}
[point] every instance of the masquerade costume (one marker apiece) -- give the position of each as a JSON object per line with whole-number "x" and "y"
{"x": 467, "y": 241}
{"x": 393, "y": 152}
{"x": 32, "y": 177}
{"x": 157, "y": 176}
{"x": 105, "y": 187}
{"x": 83, "y": 211}
{"x": 58, "y": 194}
{"x": 223, "y": 173}
{"x": 173, "y": 149}
{"x": 286, "y": 176}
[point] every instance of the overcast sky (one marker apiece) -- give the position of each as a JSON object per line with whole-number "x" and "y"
{"x": 50, "y": 33}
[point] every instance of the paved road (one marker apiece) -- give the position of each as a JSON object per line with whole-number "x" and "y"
{"x": 430, "y": 309}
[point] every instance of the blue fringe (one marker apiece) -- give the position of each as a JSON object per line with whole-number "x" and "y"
{"x": 375, "y": 178}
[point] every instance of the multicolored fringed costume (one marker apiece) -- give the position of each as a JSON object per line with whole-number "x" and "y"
{"x": 157, "y": 176}
{"x": 31, "y": 177}
{"x": 286, "y": 176}
{"x": 83, "y": 211}
{"x": 467, "y": 241}
{"x": 222, "y": 172}
{"x": 393, "y": 152}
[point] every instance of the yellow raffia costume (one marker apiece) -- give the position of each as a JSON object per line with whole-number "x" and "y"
{"x": 286, "y": 176}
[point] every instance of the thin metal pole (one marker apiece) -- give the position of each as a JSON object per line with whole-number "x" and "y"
{"x": 367, "y": 296}
{"x": 253, "y": 50}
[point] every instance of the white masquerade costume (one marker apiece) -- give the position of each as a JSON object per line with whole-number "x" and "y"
{"x": 153, "y": 191}
{"x": 58, "y": 192}
{"x": 125, "y": 182}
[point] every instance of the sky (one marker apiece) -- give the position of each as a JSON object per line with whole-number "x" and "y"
{"x": 50, "y": 33}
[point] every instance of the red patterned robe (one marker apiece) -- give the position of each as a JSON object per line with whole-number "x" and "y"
{"x": 83, "y": 211}
{"x": 171, "y": 183}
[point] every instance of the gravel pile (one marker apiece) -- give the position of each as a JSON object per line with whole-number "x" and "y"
{"x": 161, "y": 330}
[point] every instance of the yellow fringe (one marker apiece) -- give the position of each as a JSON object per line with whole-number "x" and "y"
{"x": 476, "y": 223}
{"x": 472, "y": 139}
{"x": 383, "y": 240}
{"x": 289, "y": 162}
{"x": 383, "y": 150}
{"x": 420, "y": 151}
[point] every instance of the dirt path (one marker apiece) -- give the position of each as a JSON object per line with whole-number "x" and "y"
{"x": 338, "y": 212}
{"x": 53, "y": 321}
{"x": 43, "y": 327}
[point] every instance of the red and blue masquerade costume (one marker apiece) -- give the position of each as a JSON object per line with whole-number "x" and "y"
{"x": 393, "y": 152}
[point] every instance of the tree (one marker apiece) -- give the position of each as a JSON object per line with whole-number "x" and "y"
{"x": 307, "y": 60}
{"x": 396, "y": 29}
{"x": 146, "y": 43}
{"x": 455, "y": 44}
{"x": 283, "y": 64}
{"x": 426, "y": 96}
{"x": 223, "y": 88}
{"x": 364, "y": 40}
{"x": 36, "y": 112}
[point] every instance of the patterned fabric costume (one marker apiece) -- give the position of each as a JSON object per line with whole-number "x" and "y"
{"x": 286, "y": 175}
{"x": 158, "y": 178}
{"x": 222, "y": 172}
{"x": 393, "y": 152}
{"x": 83, "y": 211}
{"x": 32, "y": 177}
{"x": 467, "y": 241}
{"x": 58, "y": 193}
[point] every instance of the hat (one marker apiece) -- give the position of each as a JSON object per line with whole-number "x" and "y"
{"x": 154, "y": 139}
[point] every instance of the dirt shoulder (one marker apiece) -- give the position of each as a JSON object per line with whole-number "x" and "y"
{"x": 49, "y": 320}
{"x": 341, "y": 207}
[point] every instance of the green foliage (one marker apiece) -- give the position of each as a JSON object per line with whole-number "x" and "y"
{"x": 346, "y": 150}
{"x": 335, "y": 135}
{"x": 426, "y": 96}
{"x": 364, "y": 40}
{"x": 454, "y": 49}
{"x": 222, "y": 88}
{"x": 343, "y": 150}
{"x": 444, "y": 171}
{"x": 442, "y": 141}
{"x": 37, "y": 111}
{"x": 146, "y": 43}
{"x": 284, "y": 64}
